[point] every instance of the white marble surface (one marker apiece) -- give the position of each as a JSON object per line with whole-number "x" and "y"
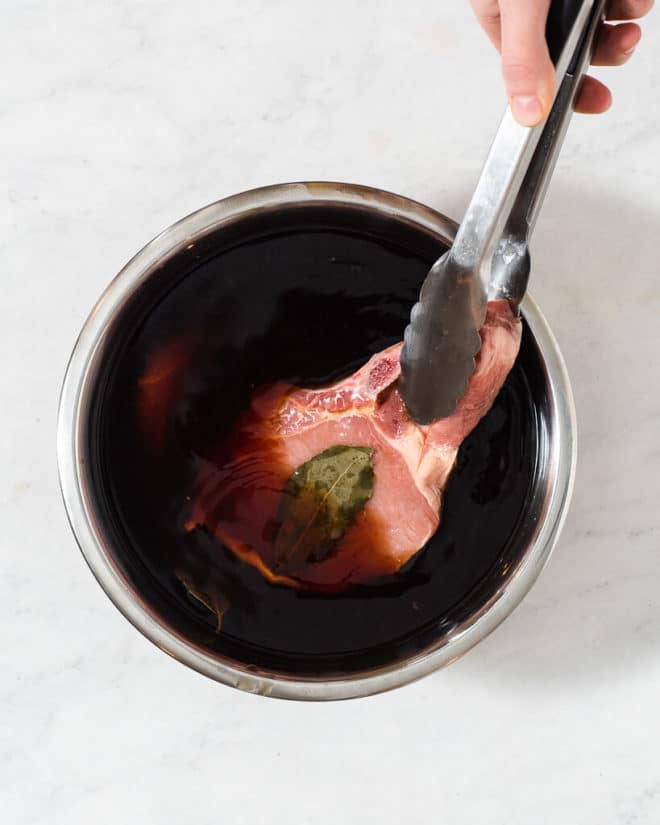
{"x": 116, "y": 118}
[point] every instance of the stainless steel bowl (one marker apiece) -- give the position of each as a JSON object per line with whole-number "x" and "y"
{"x": 547, "y": 508}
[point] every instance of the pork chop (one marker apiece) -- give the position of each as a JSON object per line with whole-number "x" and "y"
{"x": 239, "y": 495}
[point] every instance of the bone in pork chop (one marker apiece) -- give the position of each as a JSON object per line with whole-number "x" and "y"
{"x": 296, "y": 442}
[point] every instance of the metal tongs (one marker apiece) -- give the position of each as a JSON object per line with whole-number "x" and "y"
{"x": 489, "y": 258}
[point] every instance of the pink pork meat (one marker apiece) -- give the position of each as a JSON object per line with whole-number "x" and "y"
{"x": 239, "y": 494}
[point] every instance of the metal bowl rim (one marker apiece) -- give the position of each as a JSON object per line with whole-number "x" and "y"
{"x": 79, "y": 506}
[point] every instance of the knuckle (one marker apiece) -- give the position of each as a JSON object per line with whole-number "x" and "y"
{"x": 490, "y": 18}
{"x": 632, "y": 9}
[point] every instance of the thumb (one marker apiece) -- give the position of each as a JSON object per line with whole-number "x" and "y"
{"x": 529, "y": 75}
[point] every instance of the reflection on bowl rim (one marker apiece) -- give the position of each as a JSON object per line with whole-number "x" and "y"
{"x": 560, "y": 464}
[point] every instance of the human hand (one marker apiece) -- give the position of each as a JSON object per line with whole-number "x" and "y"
{"x": 517, "y": 28}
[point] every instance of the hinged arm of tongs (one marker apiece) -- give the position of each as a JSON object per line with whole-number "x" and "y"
{"x": 509, "y": 162}
{"x": 526, "y": 206}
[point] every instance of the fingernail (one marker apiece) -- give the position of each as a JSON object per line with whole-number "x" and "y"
{"x": 527, "y": 109}
{"x": 628, "y": 52}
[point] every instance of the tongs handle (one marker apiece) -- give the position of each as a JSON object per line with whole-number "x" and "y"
{"x": 562, "y": 15}
{"x": 530, "y": 199}
{"x": 508, "y": 274}
{"x": 511, "y": 152}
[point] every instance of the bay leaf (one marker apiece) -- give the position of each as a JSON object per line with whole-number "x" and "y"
{"x": 320, "y": 502}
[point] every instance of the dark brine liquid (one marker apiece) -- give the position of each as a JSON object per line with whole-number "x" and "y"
{"x": 307, "y": 305}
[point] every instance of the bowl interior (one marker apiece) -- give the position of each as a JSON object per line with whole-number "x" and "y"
{"x": 306, "y": 295}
